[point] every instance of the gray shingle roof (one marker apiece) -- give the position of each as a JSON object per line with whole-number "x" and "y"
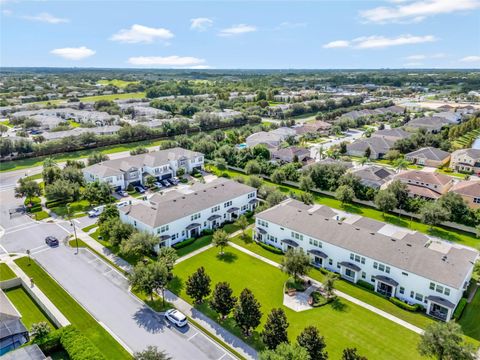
{"x": 450, "y": 269}
{"x": 429, "y": 153}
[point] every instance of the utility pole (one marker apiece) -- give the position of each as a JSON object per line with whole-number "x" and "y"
{"x": 74, "y": 228}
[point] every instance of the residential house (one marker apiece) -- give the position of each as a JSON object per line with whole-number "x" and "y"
{"x": 428, "y": 156}
{"x": 426, "y": 185}
{"x": 469, "y": 191}
{"x": 373, "y": 176}
{"x": 379, "y": 146}
{"x": 29, "y": 352}
{"x": 290, "y": 154}
{"x": 466, "y": 160}
{"x": 101, "y": 130}
{"x": 450, "y": 116}
{"x": 176, "y": 216}
{"x": 269, "y": 139}
{"x": 394, "y": 134}
{"x": 13, "y": 332}
{"x": 318, "y": 127}
{"x": 430, "y": 124}
{"x": 163, "y": 164}
{"x": 409, "y": 266}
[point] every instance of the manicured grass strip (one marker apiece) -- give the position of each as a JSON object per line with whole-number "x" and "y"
{"x": 73, "y": 311}
{"x": 342, "y": 323}
{"x": 197, "y": 244}
{"x": 458, "y": 236}
{"x": 6, "y": 273}
{"x": 470, "y": 320}
{"x": 27, "y": 307}
{"x": 89, "y": 227}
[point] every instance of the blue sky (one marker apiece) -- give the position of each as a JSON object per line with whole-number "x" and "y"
{"x": 241, "y": 34}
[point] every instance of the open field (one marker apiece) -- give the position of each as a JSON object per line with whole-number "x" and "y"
{"x": 73, "y": 311}
{"x": 27, "y": 307}
{"x": 470, "y": 320}
{"x": 116, "y": 82}
{"x": 342, "y": 323}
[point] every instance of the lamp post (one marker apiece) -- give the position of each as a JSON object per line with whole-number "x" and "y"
{"x": 74, "y": 228}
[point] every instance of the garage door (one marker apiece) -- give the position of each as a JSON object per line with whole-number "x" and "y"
{"x": 166, "y": 176}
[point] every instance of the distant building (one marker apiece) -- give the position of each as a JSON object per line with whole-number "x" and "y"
{"x": 271, "y": 139}
{"x": 30, "y": 352}
{"x": 469, "y": 191}
{"x": 426, "y": 185}
{"x": 373, "y": 176}
{"x": 317, "y": 127}
{"x": 466, "y": 160}
{"x": 289, "y": 154}
{"x": 379, "y": 146}
{"x": 428, "y": 156}
{"x": 430, "y": 124}
{"x": 394, "y": 134}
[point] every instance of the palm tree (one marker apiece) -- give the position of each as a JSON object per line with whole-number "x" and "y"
{"x": 220, "y": 239}
{"x": 400, "y": 164}
{"x": 363, "y": 160}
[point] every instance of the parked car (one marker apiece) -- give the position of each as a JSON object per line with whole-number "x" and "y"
{"x": 139, "y": 189}
{"x": 158, "y": 184}
{"x": 171, "y": 181}
{"x": 165, "y": 183}
{"x": 51, "y": 241}
{"x": 122, "y": 193}
{"x": 175, "y": 181}
{"x": 122, "y": 203}
{"x": 94, "y": 212}
{"x": 176, "y": 317}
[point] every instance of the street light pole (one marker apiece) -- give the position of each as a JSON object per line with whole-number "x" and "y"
{"x": 74, "y": 228}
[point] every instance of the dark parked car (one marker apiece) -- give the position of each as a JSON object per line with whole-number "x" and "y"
{"x": 51, "y": 241}
{"x": 122, "y": 193}
{"x": 139, "y": 189}
{"x": 165, "y": 183}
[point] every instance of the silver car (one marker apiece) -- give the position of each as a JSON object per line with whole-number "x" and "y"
{"x": 176, "y": 317}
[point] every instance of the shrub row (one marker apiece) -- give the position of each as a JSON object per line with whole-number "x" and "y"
{"x": 207, "y": 232}
{"x": 457, "y": 314}
{"x": 366, "y": 285}
{"x": 54, "y": 203}
{"x": 404, "y": 305}
{"x": 270, "y": 248}
{"x": 183, "y": 243}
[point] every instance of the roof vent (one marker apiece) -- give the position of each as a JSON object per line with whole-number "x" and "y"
{"x": 372, "y": 233}
{"x": 410, "y": 245}
{"x": 326, "y": 219}
{"x": 183, "y": 197}
{"x": 357, "y": 228}
{"x": 339, "y": 223}
{"x": 196, "y": 194}
{"x": 393, "y": 239}
{"x": 444, "y": 258}
{"x": 174, "y": 200}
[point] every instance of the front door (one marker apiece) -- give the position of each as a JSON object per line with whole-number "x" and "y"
{"x": 317, "y": 261}
{"x": 194, "y": 232}
{"x": 384, "y": 289}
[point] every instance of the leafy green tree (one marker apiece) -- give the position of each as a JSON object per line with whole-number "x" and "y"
{"x": 168, "y": 255}
{"x": 50, "y": 174}
{"x": 109, "y": 212}
{"x": 385, "y": 201}
{"x": 242, "y": 223}
{"x": 139, "y": 244}
{"x": 400, "y": 191}
{"x": 27, "y": 189}
{"x": 254, "y": 181}
{"x": 278, "y": 176}
{"x": 220, "y": 239}
{"x": 344, "y": 194}
{"x": 286, "y": 351}
{"x": 275, "y": 330}
{"x": 40, "y": 330}
{"x": 433, "y": 213}
{"x": 295, "y": 263}
{"x": 149, "y": 278}
{"x": 444, "y": 341}
{"x": 313, "y": 342}
{"x": 367, "y": 153}
{"x": 252, "y": 167}
{"x": 97, "y": 192}
{"x": 151, "y": 353}
{"x": 96, "y": 157}
{"x": 306, "y": 183}
{"x": 351, "y": 354}
{"x": 198, "y": 285}
{"x": 453, "y": 202}
{"x": 307, "y": 198}
{"x": 223, "y": 300}
{"x": 149, "y": 180}
{"x": 247, "y": 312}
{"x": 62, "y": 189}
{"x": 73, "y": 175}
{"x": 329, "y": 285}
{"x": 116, "y": 231}
{"x": 139, "y": 150}
{"x": 400, "y": 163}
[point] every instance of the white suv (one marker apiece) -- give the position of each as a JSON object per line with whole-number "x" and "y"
{"x": 176, "y": 317}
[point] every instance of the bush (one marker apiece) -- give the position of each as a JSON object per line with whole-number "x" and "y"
{"x": 404, "y": 305}
{"x": 78, "y": 346}
{"x": 270, "y": 248}
{"x": 207, "y": 232}
{"x": 457, "y": 314}
{"x": 130, "y": 188}
{"x": 183, "y": 180}
{"x": 248, "y": 214}
{"x": 366, "y": 285}
{"x": 54, "y": 203}
{"x": 51, "y": 342}
{"x": 183, "y": 243}
{"x": 318, "y": 299}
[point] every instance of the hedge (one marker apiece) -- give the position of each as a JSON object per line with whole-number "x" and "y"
{"x": 78, "y": 346}
{"x": 51, "y": 342}
{"x": 457, "y": 314}
{"x": 366, "y": 285}
{"x": 404, "y": 305}
{"x": 270, "y": 248}
{"x": 53, "y": 203}
{"x": 183, "y": 243}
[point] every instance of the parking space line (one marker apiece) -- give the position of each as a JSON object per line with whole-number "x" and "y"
{"x": 23, "y": 228}
{"x": 221, "y": 357}
{"x": 39, "y": 251}
{"x": 191, "y": 337}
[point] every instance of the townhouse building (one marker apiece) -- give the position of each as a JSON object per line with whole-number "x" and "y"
{"x": 466, "y": 160}
{"x": 426, "y": 185}
{"x": 163, "y": 164}
{"x": 403, "y": 264}
{"x": 179, "y": 215}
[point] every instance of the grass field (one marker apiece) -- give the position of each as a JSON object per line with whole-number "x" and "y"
{"x": 6, "y": 273}
{"x": 137, "y": 95}
{"x": 75, "y": 313}
{"x": 116, "y": 82}
{"x": 466, "y": 140}
{"x": 458, "y": 236}
{"x": 342, "y": 323}
{"x": 27, "y": 307}
{"x": 470, "y": 320}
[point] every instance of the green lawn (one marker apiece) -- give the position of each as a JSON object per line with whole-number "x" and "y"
{"x": 90, "y": 227}
{"x": 30, "y": 311}
{"x": 449, "y": 234}
{"x": 6, "y": 123}
{"x": 73, "y": 124}
{"x": 197, "y": 244}
{"x": 470, "y": 320}
{"x": 116, "y": 82}
{"x": 6, "y": 273}
{"x": 137, "y": 95}
{"x": 77, "y": 208}
{"x": 75, "y": 313}
{"x": 343, "y": 324}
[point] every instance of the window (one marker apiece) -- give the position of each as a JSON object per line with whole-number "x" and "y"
{"x": 195, "y": 216}
{"x": 387, "y": 269}
{"x": 351, "y": 256}
{"x": 432, "y": 286}
{"x": 372, "y": 278}
{"x": 135, "y": 223}
{"x": 262, "y": 223}
{"x": 363, "y": 260}
{"x": 297, "y": 236}
{"x": 404, "y": 273}
{"x": 227, "y": 204}
{"x": 251, "y": 195}
{"x": 439, "y": 289}
{"x": 411, "y": 294}
{"x": 164, "y": 228}
{"x": 330, "y": 262}
{"x": 357, "y": 258}
{"x": 338, "y": 265}
{"x": 215, "y": 208}
{"x": 375, "y": 265}
{"x": 183, "y": 233}
{"x": 447, "y": 291}
{"x": 381, "y": 267}
{"x": 364, "y": 275}
{"x": 418, "y": 297}
{"x": 401, "y": 290}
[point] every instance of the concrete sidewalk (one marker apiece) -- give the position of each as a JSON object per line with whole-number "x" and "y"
{"x": 339, "y": 293}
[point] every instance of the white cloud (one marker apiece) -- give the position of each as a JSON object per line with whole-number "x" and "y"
{"x": 470, "y": 59}
{"x": 417, "y": 11}
{"x": 201, "y": 23}
{"x": 46, "y": 17}
{"x": 77, "y": 53}
{"x": 7, "y": 12}
{"x": 375, "y": 41}
{"x": 142, "y": 34}
{"x": 168, "y": 61}
{"x": 237, "y": 30}
{"x": 337, "y": 44}
{"x": 291, "y": 25}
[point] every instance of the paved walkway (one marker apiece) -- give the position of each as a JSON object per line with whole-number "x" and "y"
{"x": 299, "y": 301}
{"x": 40, "y": 296}
{"x": 339, "y": 293}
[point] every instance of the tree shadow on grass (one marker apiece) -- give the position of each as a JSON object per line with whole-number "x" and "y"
{"x": 176, "y": 285}
{"x": 395, "y": 220}
{"x": 352, "y": 209}
{"x": 444, "y": 234}
{"x": 227, "y": 257}
{"x": 246, "y": 239}
{"x": 338, "y": 305}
